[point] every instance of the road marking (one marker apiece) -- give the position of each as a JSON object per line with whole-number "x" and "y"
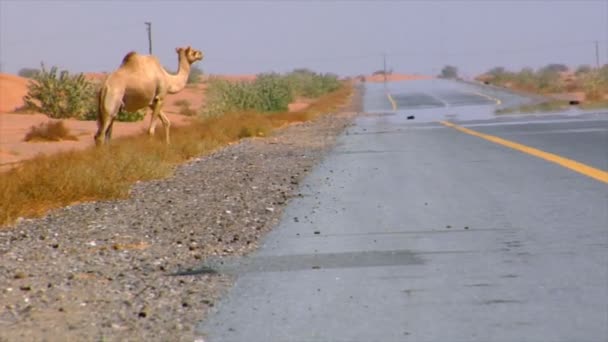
{"x": 445, "y": 104}
{"x": 392, "y": 101}
{"x": 581, "y": 168}
{"x": 498, "y": 101}
{"x": 532, "y": 122}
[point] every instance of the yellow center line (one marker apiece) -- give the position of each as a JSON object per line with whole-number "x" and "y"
{"x": 581, "y": 168}
{"x": 498, "y": 102}
{"x": 392, "y": 101}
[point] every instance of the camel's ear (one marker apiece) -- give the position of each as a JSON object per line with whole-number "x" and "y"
{"x": 178, "y": 50}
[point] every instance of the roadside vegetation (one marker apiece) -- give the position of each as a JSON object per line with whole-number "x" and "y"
{"x": 195, "y": 76}
{"x": 268, "y": 93}
{"x": 553, "y": 79}
{"x": 49, "y": 131}
{"x": 62, "y": 95}
{"x": 449, "y": 72}
{"x": 240, "y": 111}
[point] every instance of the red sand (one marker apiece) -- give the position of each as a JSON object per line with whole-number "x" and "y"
{"x": 12, "y": 90}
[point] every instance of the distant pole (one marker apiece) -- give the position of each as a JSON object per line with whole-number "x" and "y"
{"x": 149, "y": 27}
{"x": 384, "y": 67}
{"x": 597, "y": 54}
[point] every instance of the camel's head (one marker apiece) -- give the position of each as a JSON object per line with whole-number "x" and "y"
{"x": 191, "y": 55}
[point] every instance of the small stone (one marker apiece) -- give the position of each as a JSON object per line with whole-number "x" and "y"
{"x": 270, "y": 209}
{"x": 317, "y": 232}
{"x": 19, "y": 275}
{"x": 448, "y": 226}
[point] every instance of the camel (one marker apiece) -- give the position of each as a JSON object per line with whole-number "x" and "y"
{"x": 139, "y": 83}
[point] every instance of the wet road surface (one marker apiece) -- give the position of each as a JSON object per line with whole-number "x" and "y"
{"x": 414, "y": 231}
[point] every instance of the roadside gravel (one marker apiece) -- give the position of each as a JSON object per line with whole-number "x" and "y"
{"x": 103, "y": 271}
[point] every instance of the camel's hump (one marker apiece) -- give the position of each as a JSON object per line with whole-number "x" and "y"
{"x": 128, "y": 57}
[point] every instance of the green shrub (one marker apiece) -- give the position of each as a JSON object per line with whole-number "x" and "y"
{"x": 272, "y": 93}
{"x": 595, "y": 83}
{"x": 312, "y": 85}
{"x": 28, "y": 72}
{"x": 195, "y": 75}
{"x": 543, "y": 80}
{"x": 124, "y": 116}
{"x": 59, "y": 95}
{"x": 268, "y": 93}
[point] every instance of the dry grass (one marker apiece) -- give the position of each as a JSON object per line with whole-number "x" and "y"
{"x": 49, "y": 131}
{"x": 185, "y": 107}
{"x": 49, "y": 182}
{"x": 182, "y": 102}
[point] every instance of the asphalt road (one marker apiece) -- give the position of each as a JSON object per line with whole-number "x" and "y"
{"x": 411, "y": 230}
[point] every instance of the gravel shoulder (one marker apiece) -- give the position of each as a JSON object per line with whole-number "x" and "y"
{"x": 105, "y": 271}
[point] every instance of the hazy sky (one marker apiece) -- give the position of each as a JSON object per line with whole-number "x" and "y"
{"x": 345, "y": 37}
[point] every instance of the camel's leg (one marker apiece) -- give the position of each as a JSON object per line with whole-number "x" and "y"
{"x": 102, "y": 130}
{"x": 155, "y": 106}
{"x": 158, "y": 113}
{"x": 109, "y": 130}
{"x": 153, "y": 120}
{"x": 166, "y": 125}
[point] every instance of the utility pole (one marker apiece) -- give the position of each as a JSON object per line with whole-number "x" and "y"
{"x": 149, "y": 25}
{"x": 597, "y": 54}
{"x": 384, "y": 67}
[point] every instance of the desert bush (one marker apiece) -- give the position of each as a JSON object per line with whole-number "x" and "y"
{"x": 268, "y": 93}
{"x": 195, "y": 75}
{"x": 595, "y": 83}
{"x": 309, "y": 84}
{"x": 124, "y": 116}
{"x": 28, "y": 72}
{"x": 583, "y": 69}
{"x": 544, "y": 80}
{"x": 49, "y": 131}
{"x": 59, "y": 95}
{"x": 182, "y": 102}
{"x": 273, "y": 93}
{"x": 449, "y": 72}
{"x": 184, "y": 107}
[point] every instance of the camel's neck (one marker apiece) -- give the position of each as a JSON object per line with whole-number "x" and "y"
{"x": 178, "y": 81}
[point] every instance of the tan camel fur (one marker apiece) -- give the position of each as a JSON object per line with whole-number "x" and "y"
{"x": 139, "y": 83}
